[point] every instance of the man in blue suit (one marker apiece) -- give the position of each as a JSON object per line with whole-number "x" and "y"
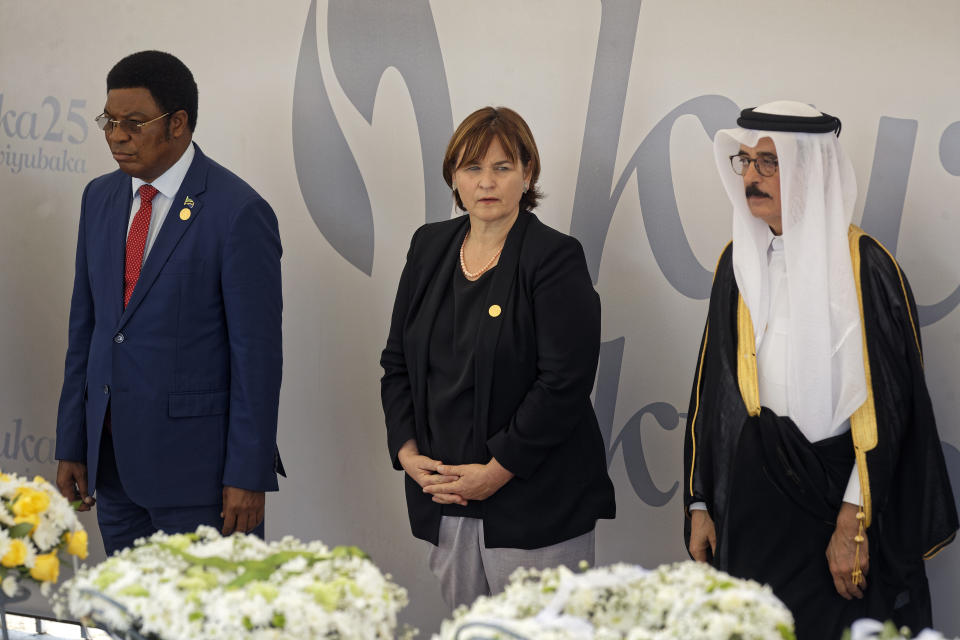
{"x": 172, "y": 376}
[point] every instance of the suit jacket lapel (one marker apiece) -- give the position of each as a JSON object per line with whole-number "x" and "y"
{"x": 172, "y": 230}
{"x": 118, "y": 212}
{"x": 499, "y": 294}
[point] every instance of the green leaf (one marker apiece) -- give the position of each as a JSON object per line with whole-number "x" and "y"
{"x": 76, "y": 504}
{"x": 135, "y": 590}
{"x": 247, "y": 624}
{"x": 106, "y": 578}
{"x": 719, "y": 585}
{"x": 279, "y": 620}
{"x": 325, "y": 594}
{"x": 207, "y": 579}
{"x": 192, "y": 583}
{"x": 255, "y": 570}
{"x": 20, "y": 530}
{"x": 263, "y": 589}
{"x": 786, "y": 632}
{"x": 344, "y": 551}
{"x": 196, "y": 615}
{"x": 178, "y": 541}
{"x": 217, "y": 563}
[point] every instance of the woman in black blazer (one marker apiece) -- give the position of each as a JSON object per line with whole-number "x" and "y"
{"x": 488, "y": 370}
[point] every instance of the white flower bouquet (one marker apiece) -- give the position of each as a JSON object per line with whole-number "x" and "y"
{"x": 686, "y": 601}
{"x": 36, "y": 524}
{"x": 866, "y": 629}
{"x": 202, "y": 585}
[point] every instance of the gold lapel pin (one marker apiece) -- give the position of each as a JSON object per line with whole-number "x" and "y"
{"x": 494, "y": 310}
{"x": 184, "y": 214}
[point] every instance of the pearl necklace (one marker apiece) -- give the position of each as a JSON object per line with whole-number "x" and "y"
{"x": 463, "y": 263}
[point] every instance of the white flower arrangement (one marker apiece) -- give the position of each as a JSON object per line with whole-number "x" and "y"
{"x": 203, "y": 585}
{"x": 867, "y": 629}
{"x": 687, "y": 600}
{"x": 36, "y": 524}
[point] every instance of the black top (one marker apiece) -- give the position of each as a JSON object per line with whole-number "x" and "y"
{"x": 451, "y": 375}
{"x": 535, "y": 361}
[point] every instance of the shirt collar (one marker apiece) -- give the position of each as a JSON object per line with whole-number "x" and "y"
{"x": 169, "y": 183}
{"x": 774, "y": 242}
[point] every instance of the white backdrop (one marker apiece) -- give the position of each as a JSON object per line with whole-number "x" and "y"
{"x": 623, "y": 100}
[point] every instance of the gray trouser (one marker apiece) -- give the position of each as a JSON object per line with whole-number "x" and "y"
{"x": 467, "y": 569}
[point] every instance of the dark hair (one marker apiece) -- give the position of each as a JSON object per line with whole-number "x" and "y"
{"x": 473, "y": 137}
{"x": 167, "y": 79}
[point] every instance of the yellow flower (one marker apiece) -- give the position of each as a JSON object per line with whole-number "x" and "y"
{"x": 4, "y": 477}
{"x": 16, "y": 554}
{"x": 77, "y": 543}
{"x": 46, "y": 568}
{"x": 32, "y": 518}
{"x": 27, "y": 501}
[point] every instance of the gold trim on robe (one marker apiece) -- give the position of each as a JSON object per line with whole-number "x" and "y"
{"x": 937, "y": 548}
{"x": 696, "y": 410}
{"x": 863, "y": 422}
{"x": 747, "y": 359}
{"x": 703, "y": 353}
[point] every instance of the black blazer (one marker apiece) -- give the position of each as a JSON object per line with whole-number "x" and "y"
{"x": 535, "y": 366}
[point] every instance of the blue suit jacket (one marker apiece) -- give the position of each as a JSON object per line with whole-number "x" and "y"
{"x": 191, "y": 368}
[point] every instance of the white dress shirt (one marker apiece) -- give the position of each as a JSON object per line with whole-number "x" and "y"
{"x": 167, "y": 185}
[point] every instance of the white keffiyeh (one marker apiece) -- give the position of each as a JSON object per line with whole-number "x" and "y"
{"x": 826, "y": 382}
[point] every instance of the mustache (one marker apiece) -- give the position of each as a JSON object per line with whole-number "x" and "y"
{"x": 752, "y": 190}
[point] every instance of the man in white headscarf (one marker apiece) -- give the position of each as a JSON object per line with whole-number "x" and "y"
{"x": 811, "y": 454}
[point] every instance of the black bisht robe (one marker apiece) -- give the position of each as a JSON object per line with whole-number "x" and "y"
{"x": 774, "y": 497}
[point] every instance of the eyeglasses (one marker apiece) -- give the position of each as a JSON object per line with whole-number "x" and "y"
{"x": 766, "y": 164}
{"x": 130, "y": 127}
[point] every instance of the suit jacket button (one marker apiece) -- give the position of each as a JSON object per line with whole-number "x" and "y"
{"x": 118, "y": 338}
{"x": 106, "y": 389}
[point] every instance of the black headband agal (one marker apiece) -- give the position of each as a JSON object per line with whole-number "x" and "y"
{"x": 824, "y": 123}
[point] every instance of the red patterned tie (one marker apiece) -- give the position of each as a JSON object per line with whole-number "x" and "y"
{"x": 137, "y": 241}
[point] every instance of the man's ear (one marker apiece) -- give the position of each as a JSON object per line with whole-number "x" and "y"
{"x": 179, "y": 123}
